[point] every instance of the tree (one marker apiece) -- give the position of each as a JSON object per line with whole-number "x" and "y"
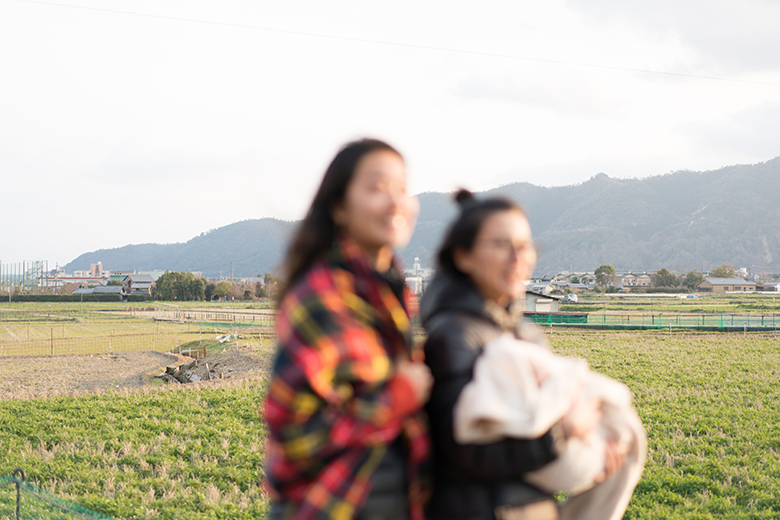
{"x": 604, "y": 275}
{"x": 222, "y": 289}
{"x": 114, "y": 282}
{"x": 574, "y": 279}
{"x": 260, "y": 290}
{"x": 664, "y": 278}
{"x": 209, "y": 292}
{"x": 179, "y": 286}
{"x": 68, "y": 288}
{"x": 724, "y": 271}
{"x": 197, "y": 288}
{"x": 272, "y": 285}
{"x": 693, "y": 278}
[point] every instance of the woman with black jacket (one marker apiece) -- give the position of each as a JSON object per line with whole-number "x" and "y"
{"x": 485, "y": 258}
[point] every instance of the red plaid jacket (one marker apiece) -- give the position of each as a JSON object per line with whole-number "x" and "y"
{"x": 334, "y": 404}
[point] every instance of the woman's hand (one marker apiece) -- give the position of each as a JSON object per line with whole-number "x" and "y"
{"x": 581, "y": 421}
{"x": 419, "y": 376}
{"x": 582, "y": 418}
{"x": 614, "y": 458}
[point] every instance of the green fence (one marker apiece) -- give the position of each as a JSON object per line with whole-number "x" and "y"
{"x": 21, "y": 500}
{"x": 707, "y": 322}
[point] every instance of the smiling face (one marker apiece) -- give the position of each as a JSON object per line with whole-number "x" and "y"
{"x": 376, "y": 211}
{"x": 503, "y": 256}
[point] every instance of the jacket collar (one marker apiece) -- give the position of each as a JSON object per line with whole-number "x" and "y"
{"x": 454, "y": 292}
{"x": 348, "y": 254}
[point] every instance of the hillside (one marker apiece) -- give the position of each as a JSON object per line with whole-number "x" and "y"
{"x": 681, "y": 220}
{"x": 254, "y": 246}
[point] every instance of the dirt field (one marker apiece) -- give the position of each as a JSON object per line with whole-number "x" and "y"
{"x": 27, "y": 377}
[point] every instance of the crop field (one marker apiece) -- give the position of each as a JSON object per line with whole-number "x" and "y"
{"x": 711, "y": 408}
{"x": 709, "y": 402}
{"x": 765, "y": 303}
{"x": 174, "y": 453}
{"x": 42, "y": 329}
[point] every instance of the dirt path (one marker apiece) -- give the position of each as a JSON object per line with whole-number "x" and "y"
{"x": 44, "y": 376}
{"x": 26, "y": 377}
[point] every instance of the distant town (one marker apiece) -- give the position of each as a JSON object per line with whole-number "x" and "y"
{"x": 544, "y": 292}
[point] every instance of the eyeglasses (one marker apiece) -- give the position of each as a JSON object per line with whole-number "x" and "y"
{"x": 505, "y": 246}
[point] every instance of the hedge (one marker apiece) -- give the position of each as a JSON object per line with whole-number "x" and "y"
{"x": 26, "y": 298}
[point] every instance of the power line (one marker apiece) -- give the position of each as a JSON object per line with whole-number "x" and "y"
{"x": 403, "y": 45}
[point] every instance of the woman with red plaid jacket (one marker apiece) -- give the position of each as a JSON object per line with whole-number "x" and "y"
{"x": 347, "y": 435}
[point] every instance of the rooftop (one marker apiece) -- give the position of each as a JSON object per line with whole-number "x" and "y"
{"x": 728, "y": 281}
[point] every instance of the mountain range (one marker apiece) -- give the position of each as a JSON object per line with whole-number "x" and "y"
{"x": 683, "y": 220}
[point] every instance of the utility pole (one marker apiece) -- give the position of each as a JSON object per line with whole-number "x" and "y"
{"x": 231, "y": 272}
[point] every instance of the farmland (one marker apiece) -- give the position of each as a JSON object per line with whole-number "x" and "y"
{"x": 710, "y": 406}
{"x": 181, "y": 452}
{"x": 709, "y": 403}
{"x": 756, "y": 303}
{"x": 55, "y": 328}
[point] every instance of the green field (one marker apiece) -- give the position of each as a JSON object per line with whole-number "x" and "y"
{"x": 710, "y": 406}
{"x": 53, "y": 328}
{"x": 704, "y": 303}
{"x": 181, "y": 452}
{"x": 709, "y": 402}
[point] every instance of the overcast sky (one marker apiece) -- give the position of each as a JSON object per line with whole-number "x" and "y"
{"x": 153, "y": 121}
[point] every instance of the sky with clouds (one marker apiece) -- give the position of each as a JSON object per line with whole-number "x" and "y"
{"x": 154, "y": 121}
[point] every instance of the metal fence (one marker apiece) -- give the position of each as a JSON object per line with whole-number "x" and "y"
{"x": 224, "y": 319}
{"x": 706, "y": 322}
{"x": 160, "y": 342}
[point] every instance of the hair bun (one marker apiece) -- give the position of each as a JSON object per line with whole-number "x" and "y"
{"x": 463, "y": 197}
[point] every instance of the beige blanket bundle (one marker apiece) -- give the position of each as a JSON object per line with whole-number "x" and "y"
{"x": 521, "y": 389}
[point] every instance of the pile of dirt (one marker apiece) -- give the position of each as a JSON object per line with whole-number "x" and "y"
{"x": 234, "y": 362}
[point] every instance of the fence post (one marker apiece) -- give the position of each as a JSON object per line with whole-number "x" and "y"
{"x": 21, "y": 476}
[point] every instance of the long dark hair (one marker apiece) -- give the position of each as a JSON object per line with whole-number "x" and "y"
{"x": 464, "y": 230}
{"x": 317, "y": 232}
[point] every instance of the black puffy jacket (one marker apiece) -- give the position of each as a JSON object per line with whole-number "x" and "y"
{"x": 472, "y": 480}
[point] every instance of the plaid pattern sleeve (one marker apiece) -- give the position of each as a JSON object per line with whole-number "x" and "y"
{"x": 333, "y": 404}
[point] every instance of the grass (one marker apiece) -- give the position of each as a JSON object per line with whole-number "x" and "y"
{"x": 706, "y": 303}
{"x": 22, "y": 331}
{"x": 709, "y": 404}
{"x": 85, "y": 335}
{"x": 163, "y": 453}
{"x": 214, "y": 347}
